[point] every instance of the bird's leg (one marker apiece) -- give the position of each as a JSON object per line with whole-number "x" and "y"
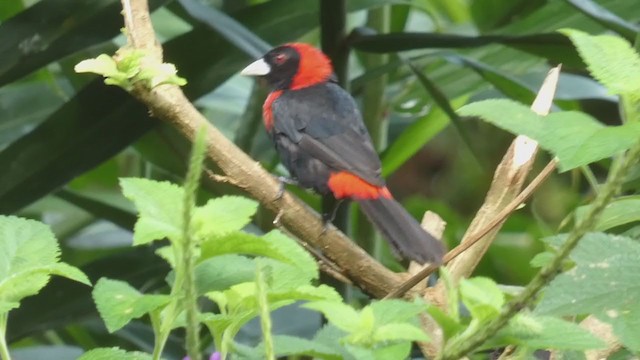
{"x": 284, "y": 180}
{"x": 330, "y": 208}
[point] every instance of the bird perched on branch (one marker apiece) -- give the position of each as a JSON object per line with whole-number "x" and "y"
{"x": 322, "y": 141}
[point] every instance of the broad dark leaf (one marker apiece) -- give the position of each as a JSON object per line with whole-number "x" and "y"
{"x": 53, "y": 29}
{"x": 100, "y": 209}
{"x": 95, "y": 125}
{"x": 554, "y": 47}
{"x": 228, "y": 27}
{"x": 606, "y": 18}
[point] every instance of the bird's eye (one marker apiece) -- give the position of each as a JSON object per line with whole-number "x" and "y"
{"x": 280, "y": 59}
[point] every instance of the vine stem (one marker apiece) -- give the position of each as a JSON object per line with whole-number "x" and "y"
{"x": 4, "y": 349}
{"x": 265, "y": 316}
{"x": 460, "y": 347}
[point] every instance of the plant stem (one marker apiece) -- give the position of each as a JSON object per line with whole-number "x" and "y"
{"x": 462, "y": 346}
{"x": 189, "y": 255}
{"x": 265, "y": 316}
{"x": 4, "y": 349}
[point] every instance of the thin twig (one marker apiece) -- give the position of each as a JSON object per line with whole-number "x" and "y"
{"x": 500, "y": 217}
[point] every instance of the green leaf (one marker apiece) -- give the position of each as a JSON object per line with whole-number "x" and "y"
{"x": 545, "y": 332}
{"x": 395, "y": 351}
{"x": 393, "y": 310}
{"x": 30, "y": 254}
{"x": 274, "y": 245}
{"x": 399, "y": 331}
{"x": 605, "y": 282}
{"x": 221, "y": 272}
{"x": 160, "y": 208}
{"x": 113, "y": 354}
{"x": 611, "y": 60}
{"x": 546, "y": 45}
{"x": 118, "y": 303}
{"x": 223, "y": 215}
{"x": 621, "y": 211}
{"x": 605, "y": 17}
{"x": 339, "y": 314}
{"x": 415, "y": 136}
{"x": 575, "y": 138}
{"x": 482, "y": 297}
{"x": 290, "y": 345}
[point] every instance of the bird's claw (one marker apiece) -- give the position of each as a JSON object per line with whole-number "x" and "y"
{"x": 282, "y": 180}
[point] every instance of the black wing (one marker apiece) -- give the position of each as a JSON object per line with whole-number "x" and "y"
{"x": 324, "y": 121}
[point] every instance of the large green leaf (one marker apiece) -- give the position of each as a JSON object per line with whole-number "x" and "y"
{"x": 160, "y": 208}
{"x": 119, "y": 303}
{"x": 611, "y": 60}
{"x": 618, "y": 212}
{"x": 605, "y": 282}
{"x": 574, "y": 137}
{"x": 30, "y": 254}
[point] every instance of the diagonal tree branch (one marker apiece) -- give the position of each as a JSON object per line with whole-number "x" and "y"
{"x": 168, "y": 103}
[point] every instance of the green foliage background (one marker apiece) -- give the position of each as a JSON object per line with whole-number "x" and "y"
{"x": 65, "y": 138}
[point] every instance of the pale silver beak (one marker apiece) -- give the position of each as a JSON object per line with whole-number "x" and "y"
{"x": 256, "y": 68}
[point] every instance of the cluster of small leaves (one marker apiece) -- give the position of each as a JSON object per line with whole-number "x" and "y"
{"x": 483, "y": 301}
{"x": 125, "y": 69}
{"x": 226, "y": 274}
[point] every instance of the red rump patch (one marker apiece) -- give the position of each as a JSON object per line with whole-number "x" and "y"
{"x": 267, "y": 114}
{"x": 347, "y": 185}
{"x": 315, "y": 67}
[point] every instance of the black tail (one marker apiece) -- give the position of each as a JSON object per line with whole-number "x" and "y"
{"x": 406, "y": 236}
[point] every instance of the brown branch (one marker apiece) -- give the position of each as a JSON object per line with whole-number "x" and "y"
{"x": 474, "y": 238}
{"x": 168, "y": 103}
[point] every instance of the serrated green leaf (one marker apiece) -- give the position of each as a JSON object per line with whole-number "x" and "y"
{"x": 274, "y": 245}
{"x": 605, "y": 282}
{"x": 575, "y": 138}
{"x": 222, "y": 272}
{"x": 395, "y": 351}
{"x": 70, "y": 272}
{"x": 611, "y": 60}
{"x": 362, "y": 335}
{"x": 223, "y": 215}
{"x": 160, "y": 208}
{"x": 339, "y": 314}
{"x": 394, "y": 310}
{"x": 118, "y": 303}
{"x": 29, "y": 255}
{"x": 545, "y": 332}
{"x": 482, "y": 297}
{"x": 399, "y": 331}
{"x": 113, "y": 354}
{"x": 621, "y": 211}
{"x": 285, "y": 345}
{"x": 449, "y": 326}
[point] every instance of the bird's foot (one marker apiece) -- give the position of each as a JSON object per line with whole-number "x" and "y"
{"x": 284, "y": 180}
